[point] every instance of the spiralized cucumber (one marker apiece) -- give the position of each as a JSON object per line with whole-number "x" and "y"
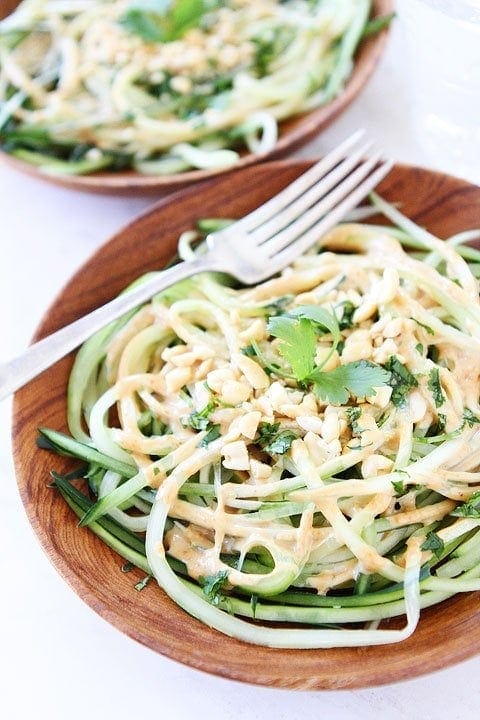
{"x": 303, "y": 453}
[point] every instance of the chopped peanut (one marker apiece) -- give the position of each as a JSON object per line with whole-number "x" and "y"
{"x": 254, "y": 374}
{"x": 259, "y": 471}
{"x": 178, "y": 377}
{"x": 235, "y": 392}
{"x": 235, "y": 456}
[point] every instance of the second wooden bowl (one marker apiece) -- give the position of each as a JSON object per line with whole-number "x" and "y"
{"x": 294, "y": 132}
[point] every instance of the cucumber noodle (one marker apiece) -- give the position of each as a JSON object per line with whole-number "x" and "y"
{"x": 84, "y": 85}
{"x": 347, "y": 514}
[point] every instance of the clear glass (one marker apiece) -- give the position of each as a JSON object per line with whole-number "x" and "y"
{"x": 443, "y": 44}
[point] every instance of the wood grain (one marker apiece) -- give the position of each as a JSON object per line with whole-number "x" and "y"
{"x": 294, "y": 132}
{"x": 446, "y": 634}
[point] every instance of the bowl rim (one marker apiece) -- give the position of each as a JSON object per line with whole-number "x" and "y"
{"x": 306, "y": 126}
{"x": 370, "y": 669}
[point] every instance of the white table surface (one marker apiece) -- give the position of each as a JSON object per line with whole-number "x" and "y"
{"x": 59, "y": 659}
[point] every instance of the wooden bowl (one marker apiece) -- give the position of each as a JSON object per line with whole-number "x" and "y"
{"x": 447, "y": 633}
{"x": 294, "y": 132}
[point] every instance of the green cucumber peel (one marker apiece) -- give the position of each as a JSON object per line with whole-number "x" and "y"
{"x": 62, "y": 444}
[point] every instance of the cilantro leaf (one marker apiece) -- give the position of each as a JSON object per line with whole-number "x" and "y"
{"x": 357, "y": 378}
{"x": 319, "y": 315}
{"x": 297, "y": 331}
{"x": 470, "y": 509}
{"x": 401, "y": 380}
{"x": 298, "y": 343}
{"x": 435, "y": 387}
{"x": 146, "y": 24}
{"x": 212, "y": 585}
{"x": 434, "y": 543}
{"x": 163, "y": 20}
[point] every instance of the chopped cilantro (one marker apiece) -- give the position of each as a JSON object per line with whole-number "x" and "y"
{"x": 249, "y": 351}
{"x": 435, "y": 432}
{"x": 382, "y": 419}
{"x": 353, "y": 413}
{"x": 419, "y": 348}
{"x": 399, "y": 487}
{"x": 212, "y": 585}
{"x": 212, "y": 434}
{"x": 359, "y": 378}
{"x": 435, "y": 387}
{"x": 272, "y": 441}
{"x": 439, "y": 426}
{"x": 469, "y": 418}
{"x": 434, "y": 543}
{"x": 199, "y": 420}
{"x": 425, "y": 327}
{"x": 470, "y": 509}
{"x": 348, "y": 310}
{"x": 277, "y": 307}
{"x": 265, "y": 50}
{"x": 441, "y": 422}
{"x": 266, "y": 432}
{"x": 401, "y": 380}
{"x": 281, "y": 443}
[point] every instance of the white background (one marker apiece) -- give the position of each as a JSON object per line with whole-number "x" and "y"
{"x": 59, "y": 659}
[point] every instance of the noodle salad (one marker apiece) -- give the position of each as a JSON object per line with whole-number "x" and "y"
{"x": 296, "y": 461}
{"x": 162, "y": 87}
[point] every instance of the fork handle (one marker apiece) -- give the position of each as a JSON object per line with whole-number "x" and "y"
{"x": 20, "y": 370}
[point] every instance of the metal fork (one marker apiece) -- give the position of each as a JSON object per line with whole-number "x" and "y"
{"x": 256, "y": 247}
